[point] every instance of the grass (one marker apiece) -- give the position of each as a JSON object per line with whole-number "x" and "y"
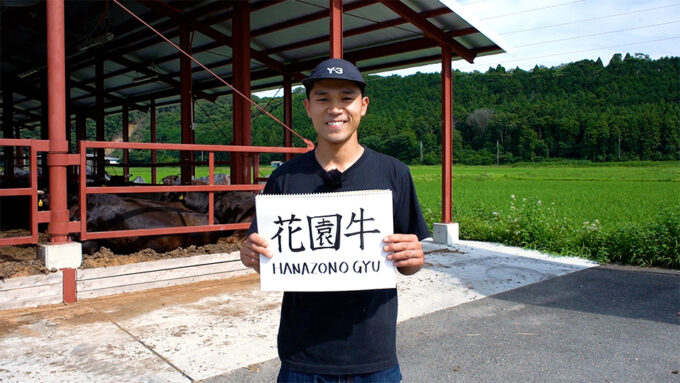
{"x": 614, "y": 195}
{"x": 201, "y": 171}
{"x": 625, "y": 212}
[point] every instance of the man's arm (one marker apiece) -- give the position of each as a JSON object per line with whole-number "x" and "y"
{"x": 407, "y": 252}
{"x": 251, "y": 249}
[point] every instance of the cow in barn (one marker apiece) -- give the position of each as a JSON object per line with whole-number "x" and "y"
{"x": 230, "y": 206}
{"x": 113, "y": 212}
{"x": 234, "y": 207}
{"x": 171, "y": 180}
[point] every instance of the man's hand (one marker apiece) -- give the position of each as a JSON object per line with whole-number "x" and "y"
{"x": 251, "y": 249}
{"x": 407, "y": 252}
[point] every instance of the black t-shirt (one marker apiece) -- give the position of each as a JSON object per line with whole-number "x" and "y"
{"x": 345, "y": 332}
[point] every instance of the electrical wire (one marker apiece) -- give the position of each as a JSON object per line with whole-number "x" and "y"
{"x": 210, "y": 117}
{"x": 533, "y": 10}
{"x": 573, "y": 52}
{"x": 589, "y": 19}
{"x": 308, "y": 142}
{"x": 596, "y": 34}
{"x": 266, "y": 106}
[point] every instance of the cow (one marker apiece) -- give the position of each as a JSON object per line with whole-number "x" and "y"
{"x": 112, "y": 212}
{"x": 171, "y": 180}
{"x": 115, "y": 212}
{"x": 230, "y": 206}
{"x": 234, "y": 207}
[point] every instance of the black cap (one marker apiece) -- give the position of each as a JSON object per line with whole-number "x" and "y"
{"x": 335, "y": 69}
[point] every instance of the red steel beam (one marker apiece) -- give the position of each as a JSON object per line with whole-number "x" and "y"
{"x": 357, "y": 31}
{"x": 447, "y": 131}
{"x": 170, "y": 189}
{"x": 7, "y": 122}
{"x": 69, "y": 109}
{"x": 81, "y": 132}
{"x": 186, "y": 103}
{"x": 287, "y": 114}
{"x": 405, "y": 46}
{"x": 336, "y": 29}
{"x": 221, "y": 18}
{"x": 99, "y": 115}
{"x": 31, "y": 191}
{"x": 163, "y": 231}
{"x": 156, "y": 60}
{"x": 216, "y": 35}
{"x": 56, "y": 104}
{"x": 429, "y": 29}
{"x": 69, "y": 286}
{"x": 145, "y": 69}
{"x": 84, "y": 190}
{"x": 126, "y": 138}
{"x": 44, "y": 116}
{"x": 211, "y": 181}
{"x": 56, "y": 83}
{"x": 194, "y": 147}
{"x": 306, "y": 19}
{"x": 374, "y": 52}
{"x": 152, "y": 127}
{"x": 144, "y": 38}
{"x": 118, "y": 100}
{"x": 241, "y": 76}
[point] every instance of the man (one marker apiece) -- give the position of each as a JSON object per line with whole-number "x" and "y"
{"x": 346, "y": 335}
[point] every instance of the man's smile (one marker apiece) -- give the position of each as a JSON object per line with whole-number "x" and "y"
{"x": 335, "y": 123}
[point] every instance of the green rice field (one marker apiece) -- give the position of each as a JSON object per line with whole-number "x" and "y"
{"x": 613, "y": 212}
{"x": 613, "y": 195}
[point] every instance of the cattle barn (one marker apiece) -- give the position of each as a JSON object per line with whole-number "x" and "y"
{"x": 66, "y": 62}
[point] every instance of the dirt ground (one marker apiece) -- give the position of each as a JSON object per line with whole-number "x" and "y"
{"x": 21, "y": 261}
{"x": 124, "y": 306}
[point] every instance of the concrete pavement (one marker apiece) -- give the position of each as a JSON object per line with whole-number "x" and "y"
{"x": 225, "y": 330}
{"x": 604, "y": 324}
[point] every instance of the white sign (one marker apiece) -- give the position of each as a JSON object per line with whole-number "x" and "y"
{"x": 326, "y": 242}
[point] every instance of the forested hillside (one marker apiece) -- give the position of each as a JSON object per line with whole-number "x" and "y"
{"x": 626, "y": 110}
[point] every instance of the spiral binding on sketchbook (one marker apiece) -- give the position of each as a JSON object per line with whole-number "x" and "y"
{"x": 352, "y": 193}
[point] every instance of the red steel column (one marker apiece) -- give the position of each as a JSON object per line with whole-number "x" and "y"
{"x": 81, "y": 132}
{"x": 152, "y": 127}
{"x": 287, "y": 113}
{"x": 80, "y": 136}
{"x": 336, "y": 28}
{"x": 56, "y": 106}
{"x": 44, "y": 117}
{"x": 126, "y": 138}
{"x": 56, "y": 82}
{"x": 186, "y": 102}
{"x": 7, "y": 122}
{"x": 447, "y": 113}
{"x": 240, "y": 168}
{"x": 69, "y": 108}
{"x": 19, "y": 160}
{"x": 99, "y": 113}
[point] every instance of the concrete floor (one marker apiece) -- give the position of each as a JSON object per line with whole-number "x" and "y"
{"x": 213, "y": 329}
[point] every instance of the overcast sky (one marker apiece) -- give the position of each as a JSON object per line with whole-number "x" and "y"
{"x": 553, "y": 32}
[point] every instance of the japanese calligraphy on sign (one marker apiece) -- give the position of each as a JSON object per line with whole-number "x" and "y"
{"x": 326, "y": 242}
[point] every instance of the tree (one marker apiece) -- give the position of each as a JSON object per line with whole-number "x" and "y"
{"x": 528, "y": 140}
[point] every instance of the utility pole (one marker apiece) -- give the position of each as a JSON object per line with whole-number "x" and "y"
{"x": 498, "y": 154}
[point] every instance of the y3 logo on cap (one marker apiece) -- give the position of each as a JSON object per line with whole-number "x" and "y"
{"x": 332, "y": 70}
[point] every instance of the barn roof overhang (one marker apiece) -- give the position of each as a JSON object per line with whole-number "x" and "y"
{"x": 288, "y": 38}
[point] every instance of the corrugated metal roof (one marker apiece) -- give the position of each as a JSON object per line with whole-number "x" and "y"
{"x": 286, "y": 35}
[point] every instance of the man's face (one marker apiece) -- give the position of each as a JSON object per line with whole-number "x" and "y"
{"x": 336, "y": 108}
